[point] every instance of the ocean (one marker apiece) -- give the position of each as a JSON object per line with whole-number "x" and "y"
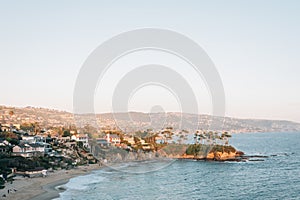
{"x": 274, "y": 177}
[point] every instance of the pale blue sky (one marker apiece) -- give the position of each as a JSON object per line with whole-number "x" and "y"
{"x": 255, "y": 46}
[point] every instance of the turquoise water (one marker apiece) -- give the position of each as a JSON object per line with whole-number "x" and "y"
{"x": 277, "y": 177}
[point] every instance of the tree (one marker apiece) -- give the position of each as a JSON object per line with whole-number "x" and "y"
{"x": 11, "y": 113}
{"x": 226, "y": 136}
{"x": 2, "y": 182}
{"x": 201, "y": 137}
{"x": 36, "y": 127}
{"x": 167, "y": 133}
{"x": 66, "y": 133}
{"x": 181, "y": 138}
{"x": 196, "y": 138}
{"x": 80, "y": 144}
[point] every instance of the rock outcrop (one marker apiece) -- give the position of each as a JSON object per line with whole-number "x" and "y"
{"x": 212, "y": 153}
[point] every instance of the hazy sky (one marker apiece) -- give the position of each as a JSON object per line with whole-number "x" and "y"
{"x": 255, "y": 46}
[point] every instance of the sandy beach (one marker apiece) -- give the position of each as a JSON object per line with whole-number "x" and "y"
{"x": 42, "y": 188}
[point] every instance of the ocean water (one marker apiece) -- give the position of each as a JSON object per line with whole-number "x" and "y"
{"x": 274, "y": 177}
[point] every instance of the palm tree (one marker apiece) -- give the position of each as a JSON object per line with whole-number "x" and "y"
{"x": 205, "y": 137}
{"x": 196, "y": 138}
{"x": 202, "y": 135}
{"x": 11, "y": 113}
{"x": 181, "y": 137}
{"x": 215, "y": 137}
{"x": 226, "y": 135}
{"x": 167, "y": 134}
{"x": 210, "y": 135}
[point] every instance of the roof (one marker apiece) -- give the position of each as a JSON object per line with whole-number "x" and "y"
{"x": 36, "y": 145}
{"x": 114, "y": 136}
{"x": 102, "y": 141}
{"x": 81, "y": 135}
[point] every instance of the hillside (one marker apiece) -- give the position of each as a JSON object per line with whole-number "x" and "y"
{"x": 134, "y": 121}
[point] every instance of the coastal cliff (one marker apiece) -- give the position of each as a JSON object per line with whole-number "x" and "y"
{"x": 173, "y": 151}
{"x": 212, "y": 152}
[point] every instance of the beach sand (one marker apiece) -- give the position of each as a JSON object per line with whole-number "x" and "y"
{"x": 42, "y": 188}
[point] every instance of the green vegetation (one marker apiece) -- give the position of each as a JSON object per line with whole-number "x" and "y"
{"x": 221, "y": 148}
{"x": 2, "y": 183}
{"x": 174, "y": 149}
{"x": 203, "y": 149}
{"x": 66, "y": 133}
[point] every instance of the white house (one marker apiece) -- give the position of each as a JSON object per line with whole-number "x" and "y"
{"x": 113, "y": 139}
{"x": 29, "y": 148}
{"x": 28, "y": 138}
{"x": 84, "y": 138}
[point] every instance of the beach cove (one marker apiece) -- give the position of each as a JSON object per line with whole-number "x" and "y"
{"x": 43, "y": 188}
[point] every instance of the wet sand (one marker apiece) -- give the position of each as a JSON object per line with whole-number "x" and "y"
{"x": 42, "y": 188}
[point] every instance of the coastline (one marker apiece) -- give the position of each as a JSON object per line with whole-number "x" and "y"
{"x": 49, "y": 190}
{"x": 43, "y": 188}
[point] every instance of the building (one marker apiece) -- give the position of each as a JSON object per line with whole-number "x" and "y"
{"x": 28, "y": 150}
{"x": 113, "y": 139}
{"x": 102, "y": 142}
{"x": 28, "y": 138}
{"x": 10, "y": 127}
{"x": 129, "y": 139}
{"x": 81, "y": 138}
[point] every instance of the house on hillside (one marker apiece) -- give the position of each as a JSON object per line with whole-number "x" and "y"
{"x": 5, "y": 128}
{"x": 129, "y": 139}
{"x": 81, "y": 138}
{"x": 28, "y": 150}
{"x": 62, "y": 139}
{"x": 28, "y": 138}
{"x": 23, "y": 150}
{"x": 102, "y": 142}
{"x": 10, "y": 127}
{"x": 113, "y": 139}
{"x": 159, "y": 139}
{"x": 36, "y": 147}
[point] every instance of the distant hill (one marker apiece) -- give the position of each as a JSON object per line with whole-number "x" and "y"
{"x": 134, "y": 121}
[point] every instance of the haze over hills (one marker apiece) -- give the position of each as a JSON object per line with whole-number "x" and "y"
{"x": 134, "y": 121}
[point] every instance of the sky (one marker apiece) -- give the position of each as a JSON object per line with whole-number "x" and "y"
{"x": 254, "y": 45}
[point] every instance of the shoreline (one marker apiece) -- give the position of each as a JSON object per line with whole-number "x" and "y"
{"x": 43, "y": 188}
{"x": 49, "y": 190}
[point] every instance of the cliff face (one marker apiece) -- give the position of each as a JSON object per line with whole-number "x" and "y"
{"x": 222, "y": 156}
{"x": 216, "y": 156}
{"x": 216, "y": 152}
{"x": 172, "y": 151}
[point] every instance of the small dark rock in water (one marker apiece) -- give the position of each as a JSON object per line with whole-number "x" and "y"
{"x": 255, "y": 156}
{"x": 61, "y": 188}
{"x": 256, "y": 160}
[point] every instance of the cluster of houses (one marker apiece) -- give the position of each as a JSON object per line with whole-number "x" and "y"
{"x": 125, "y": 141}
{"x": 35, "y": 145}
{"x": 38, "y": 145}
{"x": 41, "y": 144}
{"x": 9, "y": 127}
{"x": 61, "y": 150}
